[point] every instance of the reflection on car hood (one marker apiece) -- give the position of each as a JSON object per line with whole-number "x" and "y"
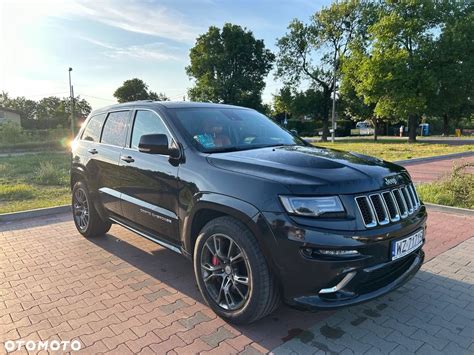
{"x": 311, "y": 170}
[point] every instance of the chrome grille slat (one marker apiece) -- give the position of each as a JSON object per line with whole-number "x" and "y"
{"x": 408, "y": 202}
{"x": 411, "y": 189}
{"x": 379, "y": 208}
{"x": 366, "y": 211}
{"x": 383, "y": 207}
{"x": 402, "y": 206}
{"x": 392, "y": 206}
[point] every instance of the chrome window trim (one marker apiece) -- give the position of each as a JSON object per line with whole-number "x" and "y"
{"x": 136, "y": 109}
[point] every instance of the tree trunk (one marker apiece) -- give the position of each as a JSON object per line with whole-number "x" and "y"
{"x": 376, "y": 126}
{"x": 445, "y": 125}
{"x": 326, "y": 113}
{"x": 412, "y": 126}
{"x": 324, "y": 137}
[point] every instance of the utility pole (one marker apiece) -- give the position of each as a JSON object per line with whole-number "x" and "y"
{"x": 333, "y": 118}
{"x": 71, "y": 97}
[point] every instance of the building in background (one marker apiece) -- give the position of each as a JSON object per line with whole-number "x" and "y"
{"x": 8, "y": 114}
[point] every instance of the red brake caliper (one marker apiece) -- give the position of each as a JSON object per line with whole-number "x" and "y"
{"x": 215, "y": 261}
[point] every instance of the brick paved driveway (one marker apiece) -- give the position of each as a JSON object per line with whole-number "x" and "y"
{"x": 434, "y": 170}
{"x": 124, "y": 294}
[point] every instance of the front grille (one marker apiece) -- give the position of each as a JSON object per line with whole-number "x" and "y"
{"x": 388, "y": 206}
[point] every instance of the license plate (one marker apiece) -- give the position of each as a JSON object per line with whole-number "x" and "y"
{"x": 405, "y": 246}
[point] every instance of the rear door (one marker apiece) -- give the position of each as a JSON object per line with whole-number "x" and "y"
{"x": 107, "y": 159}
{"x": 149, "y": 194}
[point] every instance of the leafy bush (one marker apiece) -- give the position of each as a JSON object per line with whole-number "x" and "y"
{"x": 11, "y": 133}
{"x": 49, "y": 174}
{"x": 16, "y": 192}
{"x": 304, "y": 128}
{"x": 456, "y": 190}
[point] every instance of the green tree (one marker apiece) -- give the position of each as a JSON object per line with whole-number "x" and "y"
{"x": 51, "y": 112}
{"x": 312, "y": 51}
{"x": 26, "y": 107}
{"x": 158, "y": 96}
{"x": 453, "y": 65}
{"x": 282, "y": 102}
{"x": 136, "y": 89}
{"x": 229, "y": 66}
{"x": 392, "y": 70}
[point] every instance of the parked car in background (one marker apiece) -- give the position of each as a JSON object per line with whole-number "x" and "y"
{"x": 263, "y": 215}
{"x": 363, "y": 128}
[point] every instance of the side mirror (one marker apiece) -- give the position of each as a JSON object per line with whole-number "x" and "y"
{"x": 157, "y": 144}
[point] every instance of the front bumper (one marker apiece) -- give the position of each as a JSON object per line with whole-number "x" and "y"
{"x": 324, "y": 282}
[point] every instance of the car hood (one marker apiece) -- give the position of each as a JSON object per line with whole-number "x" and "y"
{"x": 312, "y": 170}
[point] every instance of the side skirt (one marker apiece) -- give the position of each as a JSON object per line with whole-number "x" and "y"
{"x": 147, "y": 236}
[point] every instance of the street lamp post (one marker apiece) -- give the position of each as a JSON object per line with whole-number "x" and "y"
{"x": 71, "y": 97}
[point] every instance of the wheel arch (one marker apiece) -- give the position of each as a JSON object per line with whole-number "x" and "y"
{"x": 78, "y": 173}
{"x": 210, "y": 206}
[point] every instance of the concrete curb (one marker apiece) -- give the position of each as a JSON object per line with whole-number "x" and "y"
{"x": 40, "y": 212}
{"x": 435, "y": 158}
{"x": 449, "y": 209}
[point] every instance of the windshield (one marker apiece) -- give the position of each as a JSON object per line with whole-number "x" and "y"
{"x": 229, "y": 129}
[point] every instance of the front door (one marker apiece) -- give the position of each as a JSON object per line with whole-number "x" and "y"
{"x": 149, "y": 192}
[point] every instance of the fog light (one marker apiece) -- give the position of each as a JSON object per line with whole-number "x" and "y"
{"x": 314, "y": 253}
{"x": 338, "y": 252}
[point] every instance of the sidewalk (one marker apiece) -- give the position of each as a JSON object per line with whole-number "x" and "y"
{"x": 434, "y": 170}
{"x": 124, "y": 294}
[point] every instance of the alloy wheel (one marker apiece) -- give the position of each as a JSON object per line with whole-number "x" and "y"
{"x": 226, "y": 272}
{"x": 81, "y": 209}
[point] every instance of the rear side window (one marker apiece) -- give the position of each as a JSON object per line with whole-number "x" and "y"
{"x": 147, "y": 122}
{"x": 115, "y": 129}
{"x": 94, "y": 128}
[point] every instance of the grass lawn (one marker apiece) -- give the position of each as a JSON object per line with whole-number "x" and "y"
{"x": 392, "y": 149}
{"x": 42, "y": 180}
{"x": 456, "y": 190}
{"x": 34, "y": 181}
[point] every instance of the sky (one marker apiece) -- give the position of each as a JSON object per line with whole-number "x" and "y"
{"x": 109, "y": 41}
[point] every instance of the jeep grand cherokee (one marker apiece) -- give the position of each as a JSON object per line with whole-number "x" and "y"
{"x": 263, "y": 215}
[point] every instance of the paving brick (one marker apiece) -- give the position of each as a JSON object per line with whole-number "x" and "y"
{"x": 138, "y": 297}
{"x": 158, "y": 294}
{"x": 170, "y": 308}
{"x": 190, "y": 322}
{"x": 172, "y": 343}
{"x": 196, "y": 347}
{"x": 215, "y": 338}
{"x": 143, "y": 341}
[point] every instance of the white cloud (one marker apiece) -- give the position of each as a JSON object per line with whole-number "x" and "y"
{"x": 155, "y": 50}
{"x": 129, "y": 15}
{"x": 140, "y": 17}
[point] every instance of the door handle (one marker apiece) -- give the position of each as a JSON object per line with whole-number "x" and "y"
{"x": 93, "y": 151}
{"x": 127, "y": 158}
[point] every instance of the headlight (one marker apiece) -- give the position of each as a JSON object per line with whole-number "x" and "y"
{"x": 311, "y": 206}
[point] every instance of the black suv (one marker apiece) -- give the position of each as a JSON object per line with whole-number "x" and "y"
{"x": 263, "y": 215}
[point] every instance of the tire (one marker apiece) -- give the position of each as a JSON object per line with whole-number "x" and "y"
{"x": 88, "y": 223}
{"x": 248, "y": 303}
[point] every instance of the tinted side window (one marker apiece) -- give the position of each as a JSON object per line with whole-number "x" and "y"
{"x": 115, "y": 129}
{"x": 146, "y": 122}
{"x": 94, "y": 128}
